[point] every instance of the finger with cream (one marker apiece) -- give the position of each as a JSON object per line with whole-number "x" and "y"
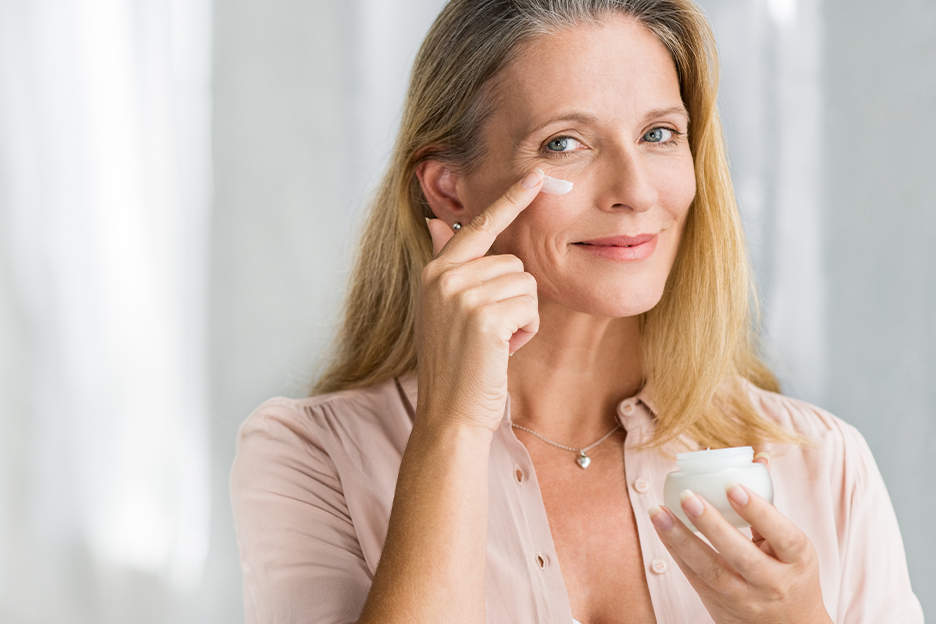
{"x": 555, "y": 186}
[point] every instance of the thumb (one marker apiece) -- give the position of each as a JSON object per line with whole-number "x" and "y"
{"x": 440, "y": 232}
{"x": 763, "y": 457}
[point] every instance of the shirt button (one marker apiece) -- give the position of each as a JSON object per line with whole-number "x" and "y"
{"x": 627, "y": 408}
{"x": 518, "y": 474}
{"x": 541, "y": 561}
{"x": 659, "y": 566}
{"x": 641, "y": 485}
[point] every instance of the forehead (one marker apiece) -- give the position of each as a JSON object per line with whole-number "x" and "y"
{"x": 613, "y": 70}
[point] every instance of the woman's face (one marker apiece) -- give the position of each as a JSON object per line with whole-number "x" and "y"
{"x": 597, "y": 105}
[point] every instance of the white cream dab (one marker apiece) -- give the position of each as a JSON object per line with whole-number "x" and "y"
{"x": 555, "y": 186}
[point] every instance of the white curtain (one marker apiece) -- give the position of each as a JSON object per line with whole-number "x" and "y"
{"x": 104, "y": 210}
{"x": 771, "y": 100}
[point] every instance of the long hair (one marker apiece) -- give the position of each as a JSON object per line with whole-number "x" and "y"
{"x": 697, "y": 342}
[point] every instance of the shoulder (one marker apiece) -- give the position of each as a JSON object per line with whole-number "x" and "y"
{"x": 813, "y": 423}
{"x": 311, "y": 489}
{"x": 831, "y": 488}
{"x": 336, "y": 418}
{"x": 350, "y": 441}
{"x": 833, "y": 449}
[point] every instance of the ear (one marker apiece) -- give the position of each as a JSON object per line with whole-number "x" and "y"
{"x": 440, "y": 185}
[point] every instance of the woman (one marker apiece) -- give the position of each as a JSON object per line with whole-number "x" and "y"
{"x": 616, "y": 320}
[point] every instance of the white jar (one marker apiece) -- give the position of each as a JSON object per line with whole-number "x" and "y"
{"x": 707, "y": 472}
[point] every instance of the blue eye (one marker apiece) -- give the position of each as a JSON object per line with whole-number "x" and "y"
{"x": 562, "y": 144}
{"x": 658, "y": 135}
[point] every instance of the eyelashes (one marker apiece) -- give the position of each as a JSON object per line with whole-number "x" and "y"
{"x": 657, "y": 136}
{"x": 565, "y": 145}
{"x": 562, "y": 142}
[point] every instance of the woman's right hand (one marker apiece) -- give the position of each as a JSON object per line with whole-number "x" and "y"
{"x": 475, "y": 311}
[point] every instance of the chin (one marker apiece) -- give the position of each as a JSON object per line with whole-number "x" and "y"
{"x": 610, "y": 300}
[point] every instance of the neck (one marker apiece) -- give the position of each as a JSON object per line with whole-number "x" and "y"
{"x": 566, "y": 383}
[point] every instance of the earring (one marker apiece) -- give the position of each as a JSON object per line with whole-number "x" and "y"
{"x": 457, "y": 226}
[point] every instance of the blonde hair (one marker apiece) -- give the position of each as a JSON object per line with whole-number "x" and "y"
{"x": 699, "y": 341}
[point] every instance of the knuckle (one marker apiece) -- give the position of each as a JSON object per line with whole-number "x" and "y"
{"x": 484, "y": 222}
{"x": 467, "y": 299}
{"x": 681, "y": 541}
{"x": 794, "y": 540}
{"x": 530, "y": 280}
{"x": 749, "y": 561}
{"x": 448, "y": 283}
{"x": 806, "y": 555}
{"x": 776, "y": 595}
{"x": 712, "y": 574}
{"x": 759, "y": 611}
{"x": 685, "y": 567}
{"x": 511, "y": 197}
{"x": 513, "y": 263}
{"x": 487, "y": 321}
{"x": 528, "y": 303}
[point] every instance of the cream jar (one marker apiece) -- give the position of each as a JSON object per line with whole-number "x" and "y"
{"x": 708, "y": 472}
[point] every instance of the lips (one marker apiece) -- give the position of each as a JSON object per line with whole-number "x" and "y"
{"x": 621, "y": 248}
{"x": 619, "y": 241}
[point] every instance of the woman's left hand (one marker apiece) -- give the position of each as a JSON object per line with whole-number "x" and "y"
{"x": 774, "y": 578}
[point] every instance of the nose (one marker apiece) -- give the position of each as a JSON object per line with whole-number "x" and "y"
{"x": 629, "y": 185}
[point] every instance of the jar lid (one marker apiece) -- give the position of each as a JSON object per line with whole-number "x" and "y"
{"x": 717, "y": 458}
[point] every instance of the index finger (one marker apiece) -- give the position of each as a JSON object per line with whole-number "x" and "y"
{"x": 787, "y": 540}
{"x": 475, "y": 238}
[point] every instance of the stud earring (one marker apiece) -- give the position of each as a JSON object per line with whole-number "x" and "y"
{"x": 457, "y": 226}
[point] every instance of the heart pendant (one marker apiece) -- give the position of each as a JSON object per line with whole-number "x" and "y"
{"x": 583, "y": 461}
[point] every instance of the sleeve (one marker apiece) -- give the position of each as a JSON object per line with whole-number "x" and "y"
{"x": 875, "y": 581}
{"x": 300, "y": 555}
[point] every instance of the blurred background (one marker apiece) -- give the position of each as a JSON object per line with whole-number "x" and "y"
{"x": 181, "y": 183}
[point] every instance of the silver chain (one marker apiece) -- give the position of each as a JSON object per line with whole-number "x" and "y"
{"x": 580, "y": 451}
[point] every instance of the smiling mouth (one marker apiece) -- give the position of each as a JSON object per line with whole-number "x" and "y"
{"x": 618, "y": 241}
{"x": 597, "y": 245}
{"x": 621, "y": 248}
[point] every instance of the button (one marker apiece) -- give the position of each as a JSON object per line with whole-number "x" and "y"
{"x": 518, "y": 474}
{"x": 627, "y": 408}
{"x": 659, "y": 566}
{"x": 541, "y": 561}
{"x": 641, "y": 485}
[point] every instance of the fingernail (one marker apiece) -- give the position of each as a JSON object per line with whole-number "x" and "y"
{"x": 427, "y": 221}
{"x": 691, "y": 503}
{"x": 737, "y": 493}
{"x": 660, "y": 518}
{"x": 533, "y": 178}
{"x": 763, "y": 454}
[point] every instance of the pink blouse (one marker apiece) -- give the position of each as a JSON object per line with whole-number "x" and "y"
{"x": 313, "y": 483}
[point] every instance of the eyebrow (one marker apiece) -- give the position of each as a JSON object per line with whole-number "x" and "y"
{"x": 587, "y": 118}
{"x": 584, "y": 118}
{"x": 663, "y": 112}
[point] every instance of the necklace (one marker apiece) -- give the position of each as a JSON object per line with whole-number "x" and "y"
{"x": 583, "y": 459}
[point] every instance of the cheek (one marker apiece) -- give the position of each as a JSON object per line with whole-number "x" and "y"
{"x": 534, "y": 234}
{"x": 677, "y": 189}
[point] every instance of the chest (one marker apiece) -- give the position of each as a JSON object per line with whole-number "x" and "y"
{"x": 595, "y": 534}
